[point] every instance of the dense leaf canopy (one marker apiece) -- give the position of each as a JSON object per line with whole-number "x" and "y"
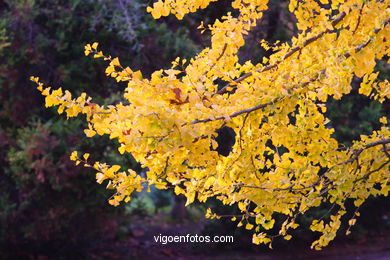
{"x": 284, "y": 159}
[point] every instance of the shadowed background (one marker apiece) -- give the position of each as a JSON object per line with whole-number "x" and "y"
{"x": 50, "y": 208}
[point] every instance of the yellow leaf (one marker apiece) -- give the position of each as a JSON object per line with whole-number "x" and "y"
{"x": 115, "y": 62}
{"x": 352, "y": 221}
{"x": 95, "y": 45}
{"x": 86, "y": 156}
{"x": 249, "y": 226}
{"x": 109, "y": 70}
{"x": 190, "y": 197}
{"x": 89, "y": 132}
{"x": 122, "y": 149}
{"x": 73, "y": 156}
{"x": 383, "y": 120}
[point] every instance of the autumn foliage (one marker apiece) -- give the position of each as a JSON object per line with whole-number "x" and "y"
{"x": 285, "y": 159}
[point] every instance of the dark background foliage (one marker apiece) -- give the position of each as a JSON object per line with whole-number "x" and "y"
{"x": 48, "y": 206}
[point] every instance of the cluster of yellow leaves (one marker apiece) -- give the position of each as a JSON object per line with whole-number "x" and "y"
{"x": 177, "y": 7}
{"x": 283, "y": 140}
{"x": 124, "y": 183}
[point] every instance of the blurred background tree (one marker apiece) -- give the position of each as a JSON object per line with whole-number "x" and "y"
{"x": 47, "y": 205}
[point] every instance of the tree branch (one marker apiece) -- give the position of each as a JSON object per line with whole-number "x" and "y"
{"x": 299, "y": 48}
{"x": 288, "y": 54}
{"x": 361, "y": 46}
{"x": 249, "y": 110}
{"x": 346, "y": 55}
{"x": 358, "y": 152}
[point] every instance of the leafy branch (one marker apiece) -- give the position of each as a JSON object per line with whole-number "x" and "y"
{"x": 354, "y": 158}
{"x": 249, "y": 110}
{"x": 334, "y": 22}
